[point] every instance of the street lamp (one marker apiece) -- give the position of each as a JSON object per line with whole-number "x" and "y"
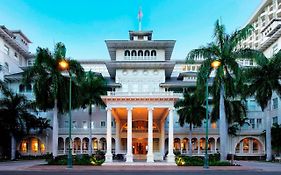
{"x": 215, "y": 64}
{"x": 64, "y": 65}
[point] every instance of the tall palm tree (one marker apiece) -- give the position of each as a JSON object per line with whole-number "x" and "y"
{"x": 50, "y": 86}
{"x": 14, "y": 115}
{"x": 224, "y": 49}
{"x": 264, "y": 80}
{"x": 191, "y": 110}
{"x": 93, "y": 86}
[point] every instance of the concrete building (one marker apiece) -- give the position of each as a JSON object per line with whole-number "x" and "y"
{"x": 140, "y": 121}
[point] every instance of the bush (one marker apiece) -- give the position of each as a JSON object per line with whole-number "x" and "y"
{"x": 81, "y": 159}
{"x": 214, "y": 160}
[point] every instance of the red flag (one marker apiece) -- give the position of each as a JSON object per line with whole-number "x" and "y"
{"x": 140, "y": 14}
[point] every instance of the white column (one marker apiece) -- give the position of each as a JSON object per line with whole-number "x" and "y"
{"x": 55, "y": 131}
{"x": 198, "y": 143}
{"x": 171, "y": 156}
{"x": 162, "y": 138}
{"x": 129, "y": 156}
{"x": 117, "y": 137}
{"x": 215, "y": 145}
{"x": 150, "y": 156}
{"x": 64, "y": 145}
{"x": 81, "y": 146}
{"x": 108, "y": 155}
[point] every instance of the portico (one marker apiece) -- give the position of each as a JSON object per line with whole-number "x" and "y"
{"x": 140, "y": 122}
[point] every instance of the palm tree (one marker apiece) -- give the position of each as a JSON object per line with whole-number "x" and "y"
{"x": 93, "y": 86}
{"x": 223, "y": 49}
{"x": 14, "y": 115}
{"x": 50, "y": 86}
{"x": 264, "y": 80}
{"x": 191, "y": 110}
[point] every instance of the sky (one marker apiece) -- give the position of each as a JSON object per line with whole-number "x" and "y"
{"x": 84, "y": 25}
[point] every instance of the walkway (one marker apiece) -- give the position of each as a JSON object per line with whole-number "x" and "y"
{"x": 20, "y": 165}
{"x": 263, "y": 166}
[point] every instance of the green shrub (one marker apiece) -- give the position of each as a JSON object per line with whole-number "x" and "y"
{"x": 214, "y": 160}
{"x": 81, "y": 159}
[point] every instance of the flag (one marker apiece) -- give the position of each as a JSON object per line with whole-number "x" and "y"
{"x": 140, "y": 14}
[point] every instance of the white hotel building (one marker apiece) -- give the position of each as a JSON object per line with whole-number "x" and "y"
{"x": 140, "y": 121}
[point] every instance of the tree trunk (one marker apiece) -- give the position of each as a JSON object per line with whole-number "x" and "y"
{"x": 13, "y": 147}
{"x": 90, "y": 130}
{"x": 190, "y": 140}
{"x": 223, "y": 126}
{"x": 268, "y": 134}
{"x": 55, "y": 130}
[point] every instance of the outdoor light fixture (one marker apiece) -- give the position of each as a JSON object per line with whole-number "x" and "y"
{"x": 64, "y": 65}
{"x": 215, "y": 64}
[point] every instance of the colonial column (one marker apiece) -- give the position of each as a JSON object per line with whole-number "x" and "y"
{"x": 64, "y": 146}
{"x": 171, "y": 156}
{"x": 55, "y": 131}
{"x": 129, "y": 156}
{"x": 108, "y": 155}
{"x": 117, "y": 137}
{"x": 162, "y": 137}
{"x": 81, "y": 146}
{"x": 215, "y": 145}
{"x": 198, "y": 143}
{"x": 150, "y": 156}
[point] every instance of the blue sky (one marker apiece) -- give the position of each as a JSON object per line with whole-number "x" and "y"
{"x": 84, "y": 25}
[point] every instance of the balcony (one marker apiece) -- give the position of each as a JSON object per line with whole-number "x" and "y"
{"x": 84, "y": 131}
{"x": 143, "y": 94}
{"x": 272, "y": 27}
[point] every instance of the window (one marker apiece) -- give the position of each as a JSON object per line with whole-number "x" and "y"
{"x": 102, "y": 124}
{"x": 74, "y": 124}
{"x": 113, "y": 124}
{"x": 275, "y": 103}
{"x": 127, "y": 53}
{"x": 6, "y": 49}
{"x": 146, "y": 53}
{"x": 28, "y": 88}
{"x": 66, "y": 125}
{"x": 16, "y": 55}
{"x": 252, "y": 123}
{"x": 134, "y": 53}
{"x": 275, "y": 120}
{"x": 140, "y": 53}
{"x": 251, "y": 62}
{"x": 21, "y": 88}
{"x": 259, "y": 124}
{"x": 85, "y": 126}
{"x": 153, "y": 53}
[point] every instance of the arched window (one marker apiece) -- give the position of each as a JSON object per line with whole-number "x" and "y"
{"x": 134, "y": 53}
{"x": 127, "y": 53}
{"x": 146, "y": 53}
{"x": 140, "y": 53}
{"x": 153, "y": 53}
{"x": 21, "y": 88}
{"x": 28, "y": 88}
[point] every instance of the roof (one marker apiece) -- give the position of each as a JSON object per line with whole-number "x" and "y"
{"x": 167, "y": 45}
{"x": 8, "y": 36}
{"x": 22, "y": 34}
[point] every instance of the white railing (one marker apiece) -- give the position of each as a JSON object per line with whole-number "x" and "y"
{"x": 168, "y": 93}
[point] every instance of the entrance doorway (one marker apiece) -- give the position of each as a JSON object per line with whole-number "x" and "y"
{"x": 140, "y": 146}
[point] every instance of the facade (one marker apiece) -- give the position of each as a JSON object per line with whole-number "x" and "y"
{"x": 140, "y": 121}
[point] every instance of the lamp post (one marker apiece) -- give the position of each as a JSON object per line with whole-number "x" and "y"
{"x": 215, "y": 64}
{"x": 64, "y": 65}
